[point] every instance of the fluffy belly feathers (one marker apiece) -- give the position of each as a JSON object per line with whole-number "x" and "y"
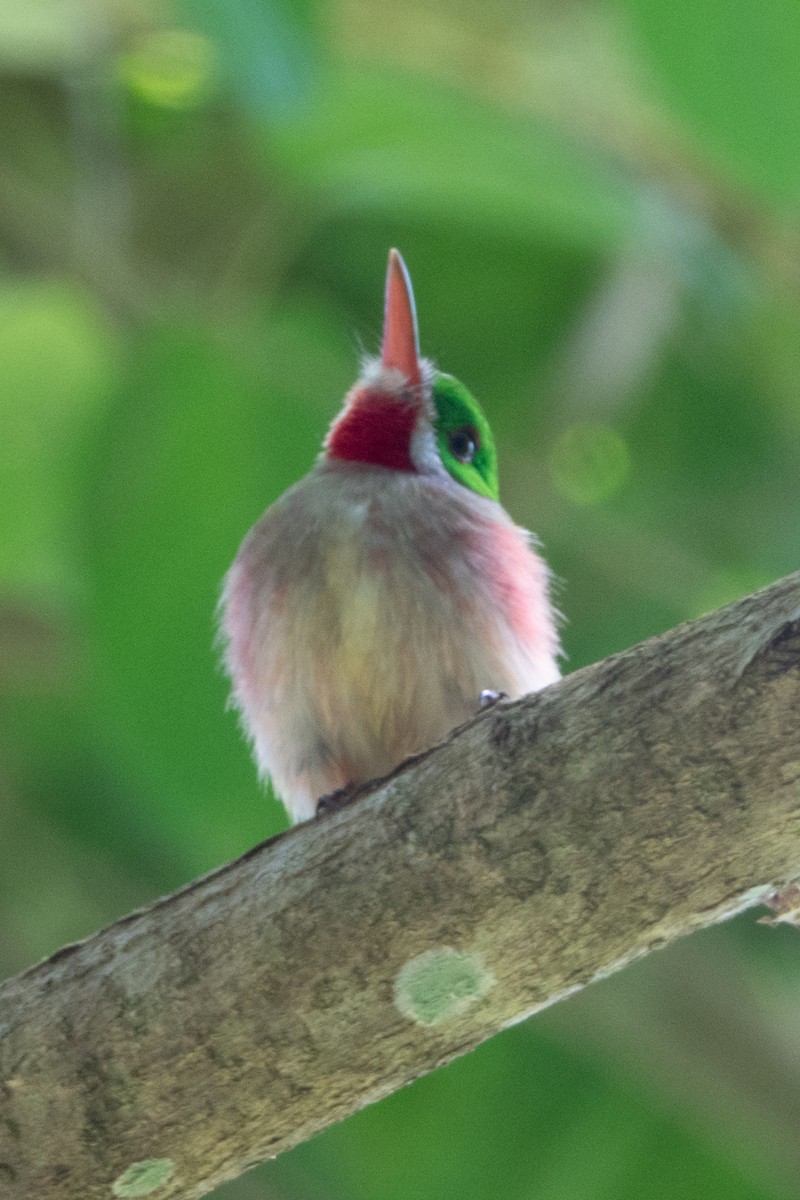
{"x": 365, "y": 613}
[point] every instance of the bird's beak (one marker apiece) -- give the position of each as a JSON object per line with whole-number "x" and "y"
{"x": 400, "y": 340}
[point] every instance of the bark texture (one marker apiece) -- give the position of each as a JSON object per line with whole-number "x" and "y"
{"x": 547, "y": 843}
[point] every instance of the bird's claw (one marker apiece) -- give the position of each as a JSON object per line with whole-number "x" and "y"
{"x": 331, "y": 802}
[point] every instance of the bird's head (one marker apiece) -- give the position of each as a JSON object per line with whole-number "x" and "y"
{"x": 405, "y": 415}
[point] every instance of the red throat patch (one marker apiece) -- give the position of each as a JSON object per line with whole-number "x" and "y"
{"x": 374, "y": 428}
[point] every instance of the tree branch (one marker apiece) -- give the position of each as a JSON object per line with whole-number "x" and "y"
{"x": 544, "y": 845}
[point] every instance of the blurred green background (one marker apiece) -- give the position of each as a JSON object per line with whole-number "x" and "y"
{"x": 600, "y": 207}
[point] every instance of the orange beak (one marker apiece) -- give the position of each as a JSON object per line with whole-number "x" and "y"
{"x": 400, "y": 340}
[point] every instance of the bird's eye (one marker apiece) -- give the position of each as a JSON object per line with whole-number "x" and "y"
{"x": 463, "y": 443}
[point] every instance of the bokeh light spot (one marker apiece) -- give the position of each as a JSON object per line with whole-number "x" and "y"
{"x": 172, "y": 68}
{"x": 588, "y": 463}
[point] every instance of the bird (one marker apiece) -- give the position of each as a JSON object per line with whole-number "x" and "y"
{"x": 382, "y": 595}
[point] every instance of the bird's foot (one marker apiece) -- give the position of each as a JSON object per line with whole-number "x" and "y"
{"x": 488, "y": 699}
{"x": 332, "y": 801}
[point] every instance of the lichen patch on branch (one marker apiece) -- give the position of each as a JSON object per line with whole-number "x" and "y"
{"x": 143, "y": 1178}
{"x": 440, "y": 984}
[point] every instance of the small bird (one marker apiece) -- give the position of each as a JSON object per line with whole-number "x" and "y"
{"x": 372, "y": 604}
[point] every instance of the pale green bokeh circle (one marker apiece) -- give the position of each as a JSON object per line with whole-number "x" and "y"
{"x": 588, "y": 463}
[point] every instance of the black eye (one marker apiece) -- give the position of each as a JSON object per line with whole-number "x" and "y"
{"x": 463, "y": 443}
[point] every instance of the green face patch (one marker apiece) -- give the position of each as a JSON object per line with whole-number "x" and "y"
{"x": 464, "y": 438}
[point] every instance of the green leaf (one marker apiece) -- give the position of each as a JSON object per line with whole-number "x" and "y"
{"x": 268, "y": 50}
{"x": 393, "y": 142}
{"x": 729, "y": 69}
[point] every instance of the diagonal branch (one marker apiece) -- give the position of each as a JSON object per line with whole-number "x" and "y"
{"x": 547, "y": 843}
